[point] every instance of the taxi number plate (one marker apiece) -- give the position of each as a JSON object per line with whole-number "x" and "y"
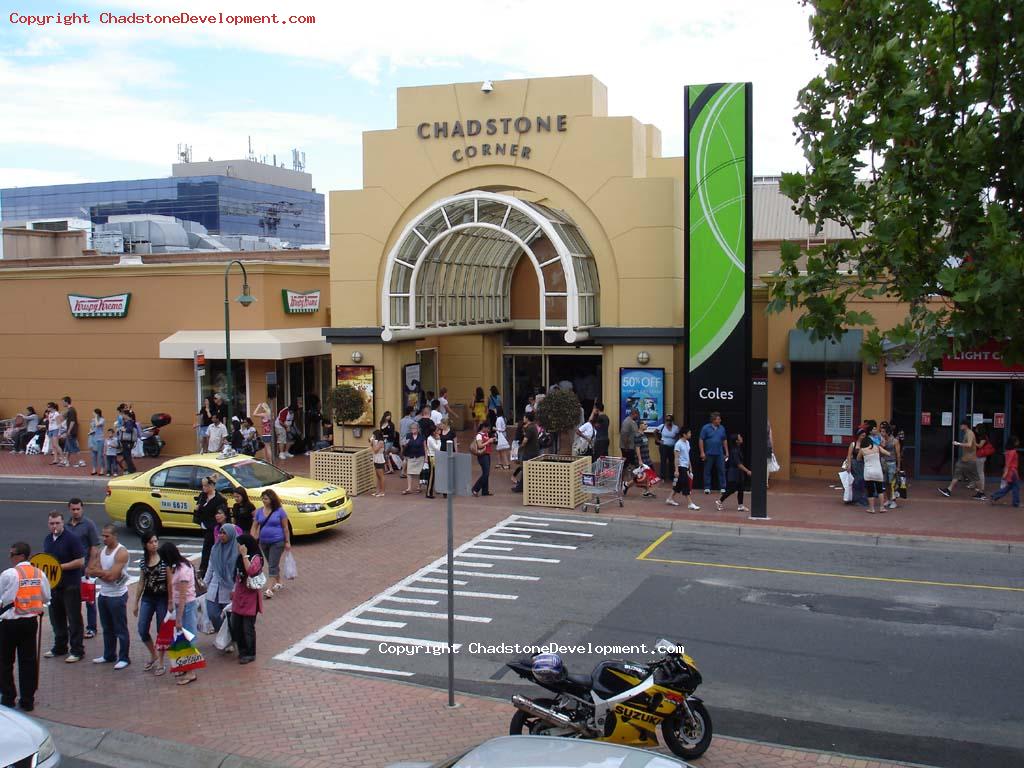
{"x": 175, "y": 506}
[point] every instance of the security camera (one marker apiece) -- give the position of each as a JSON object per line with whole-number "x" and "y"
{"x": 487, "y": 87}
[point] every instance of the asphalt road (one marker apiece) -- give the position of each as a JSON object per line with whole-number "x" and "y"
{"x": 916, "y": 658}
{"x": 894, "y": 652}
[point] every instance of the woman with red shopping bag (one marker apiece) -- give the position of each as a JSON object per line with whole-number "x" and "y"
{"x": 181, "y": 602}
{"x": 247, "y": 597}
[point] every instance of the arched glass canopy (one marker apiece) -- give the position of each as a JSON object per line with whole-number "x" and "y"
{"x": 451, "y": 270}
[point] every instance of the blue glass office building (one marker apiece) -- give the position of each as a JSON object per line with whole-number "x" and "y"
{"x": 225, "y": 205}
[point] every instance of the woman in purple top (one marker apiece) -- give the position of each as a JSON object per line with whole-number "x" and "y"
{"x": 272, "y": 529}
{"x": 245, "y": 601}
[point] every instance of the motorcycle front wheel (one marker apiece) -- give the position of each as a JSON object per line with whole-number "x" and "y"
{"x": 688, "y": 740}
{"x": 524, "y": 725}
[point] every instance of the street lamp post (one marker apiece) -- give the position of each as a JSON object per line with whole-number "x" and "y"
{"x": 245, "y": 300}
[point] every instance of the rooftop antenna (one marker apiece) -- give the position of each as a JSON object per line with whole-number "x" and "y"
{"x": 251, "y": 156}
{"x": 185, "y": 153}
{"x": 298, "y": 160}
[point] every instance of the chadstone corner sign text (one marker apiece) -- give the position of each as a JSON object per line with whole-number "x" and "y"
{"x": 492, "y": 126}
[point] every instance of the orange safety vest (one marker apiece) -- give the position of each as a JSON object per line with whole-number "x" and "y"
{"x": 29, "y": 598}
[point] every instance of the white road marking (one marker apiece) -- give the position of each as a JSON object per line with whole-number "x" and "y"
{"x": 347, "y": 667}
{"x": 534, "y": 544}
{"x": 414, "y": 600}
{"x": 472, "y": 565}
{"x": 428, "y": 615}
{"x": 337, "y": 648}
{"x": 560, "y": 533}
{"x": 455, "y": 582}
{"x": 512, "y": 535}
{"x": 494, "y": 549}
{"x": 490, "y": 575}
{"x": 559, "y": 520}
{"x": 523, "y": 559}
{"x": 460, "y": 593}
{"x": 392, "y": 639}
{"x": 376, "y": 622}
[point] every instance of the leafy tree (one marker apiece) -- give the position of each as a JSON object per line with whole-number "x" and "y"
{"x": 913, "y": 138}
{"x": 346, "y": 404}
{"x": 559, "y": 412}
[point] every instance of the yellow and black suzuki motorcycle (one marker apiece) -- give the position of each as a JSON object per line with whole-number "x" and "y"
{"x": 623, "y": 702}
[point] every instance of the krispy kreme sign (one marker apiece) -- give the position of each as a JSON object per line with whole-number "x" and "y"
{"x": 99, "y": 306}
{"x": 300, "y": 302}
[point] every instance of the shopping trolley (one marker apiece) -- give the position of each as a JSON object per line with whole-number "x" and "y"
{"x": 603, "y": 481}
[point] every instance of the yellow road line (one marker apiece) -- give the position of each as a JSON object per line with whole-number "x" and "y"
{"x": 643, "y": 555}
{"x": 790, "y": 572}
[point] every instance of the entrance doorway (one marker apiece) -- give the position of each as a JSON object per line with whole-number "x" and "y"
{"x": 943, "y": 403}
{"x": 527, "y": 372}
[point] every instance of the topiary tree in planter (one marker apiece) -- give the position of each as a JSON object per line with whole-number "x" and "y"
{"x": 560, "y": 412}
{"x": 345, "y": 404}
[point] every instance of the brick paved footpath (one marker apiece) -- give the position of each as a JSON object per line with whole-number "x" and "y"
{"x": 299, "y": 716}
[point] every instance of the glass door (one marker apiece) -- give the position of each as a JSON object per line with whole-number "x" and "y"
{"x": 939, "y": 401}
{"x": 984, "y": 400}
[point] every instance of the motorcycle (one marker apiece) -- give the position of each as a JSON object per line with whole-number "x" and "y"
{"x": 622, "y": 702}
{"x": 152, "y": 443}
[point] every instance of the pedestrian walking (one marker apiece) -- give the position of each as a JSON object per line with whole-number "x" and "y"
{"x": 97, "y": 425}
{"x": 216, "y": 435}
{"x": 493, "y": 404}
{"x": 205, "y": 516}
{"x": 203, "y": 421}
{"x": 246, "y": 599}
{"x": 404, "y": 430}
{"x": 265, "y": 417}
{"x": 483, "y": 447}
{"x": 643, "y": 450}
{"x": 414, "y": 451}
{"x": 378, "y": 448}
{"x": 529, "y": 448}
{"x": 628, "y": 432}
{"x": 682, "y": 475}
{"x": 54, "y": 423}
{"x": 275, "y": 537}
{"x": 736, "y": 474}
{"x": 601, "y": 426}
{"x": 128, "y": 434}
{"x": 71, "y": 447}
{"x": 220, "y": 581}
{"x": 111, "y": 449}
{"x": 433, "y": 446}
{"x": 282, "y": 429}
{"x": 667, "y": 433}
{"x": 892, "y": 463}
{"x": 874, "y": 474}
{"x": 502, "y": 447}
{"x": 24, "y": 592}
{"x": 181, "y": 596}
{"x": 714, "y": 450}
{"x": 110, "y": 569}
{"x": 243, "y": 510}
{"x": 479, "y": 410}
{"x": 966, "y": 469}
{"x": 66, "y": 597}
{"x": 151, "y": 600}
{"x": 985, "y": 449}
{"x": 442, "y": 401}
{"x": 391, "y": 442}
{"x": 1011, "y": 475}
{"x": 87, "y": 532}
{"x": 583, "y": 442}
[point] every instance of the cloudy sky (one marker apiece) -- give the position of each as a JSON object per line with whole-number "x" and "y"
{"x": 100, "y": 102}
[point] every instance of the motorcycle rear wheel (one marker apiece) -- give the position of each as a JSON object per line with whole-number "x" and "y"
{"x": 688, "y": 740}
{"x": 523, "y": 724}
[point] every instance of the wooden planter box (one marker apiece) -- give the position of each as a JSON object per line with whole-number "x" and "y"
{"x": 351, "y": 468}
{"x": 554, "y": 481}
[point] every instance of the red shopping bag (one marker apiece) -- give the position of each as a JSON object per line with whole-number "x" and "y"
{"x": 88, "y": 589}
{"x": 165, "y": 635}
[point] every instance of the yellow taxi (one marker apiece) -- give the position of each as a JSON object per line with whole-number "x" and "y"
{"x": 165, "y": 496}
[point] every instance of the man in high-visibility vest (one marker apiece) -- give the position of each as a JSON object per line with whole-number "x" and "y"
{"x": 24, "y": 593}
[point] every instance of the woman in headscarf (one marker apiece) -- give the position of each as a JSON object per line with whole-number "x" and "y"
{"x": 246, "y": 601}
{"x": 220, "y": 576}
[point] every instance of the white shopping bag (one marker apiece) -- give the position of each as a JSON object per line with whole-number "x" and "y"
{"x": 223, "y": 639}
{"x": 846, "y": 478}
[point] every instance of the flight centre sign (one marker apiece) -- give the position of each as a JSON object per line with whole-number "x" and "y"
{"x": 497, "y": 127}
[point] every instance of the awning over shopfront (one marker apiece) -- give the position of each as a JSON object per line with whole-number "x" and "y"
{"x": 846, "y": 350}
{"x": 270, "y": 344}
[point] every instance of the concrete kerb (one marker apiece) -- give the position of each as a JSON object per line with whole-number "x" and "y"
{"x": 799, "y": 533}
{"x": 123, "y": 749}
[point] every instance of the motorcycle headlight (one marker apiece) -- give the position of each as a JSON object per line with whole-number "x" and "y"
{"x": 310, "y": 507}
{"x": 46, "y": 750}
